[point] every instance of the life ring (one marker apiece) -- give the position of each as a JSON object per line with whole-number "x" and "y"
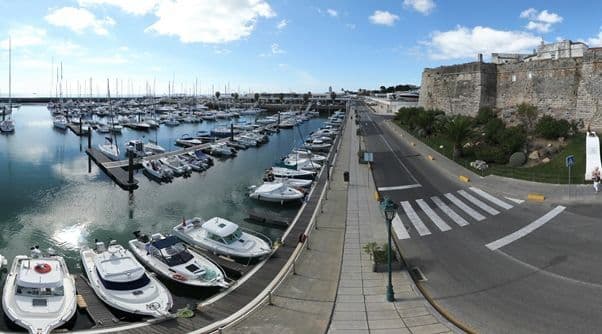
{"x": 179, "y": 277}
{"x": 42, "y": 268}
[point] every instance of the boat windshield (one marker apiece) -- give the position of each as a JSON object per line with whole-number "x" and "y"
{"x": 124, "y": 286}
{"x": 175, "y": 255}
{"x": 40, "y": 292}
{"x": 233, "y": 237}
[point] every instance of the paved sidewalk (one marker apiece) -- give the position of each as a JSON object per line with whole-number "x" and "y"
{"x": 515, "y": 188}
{"x": 361, "y": 306}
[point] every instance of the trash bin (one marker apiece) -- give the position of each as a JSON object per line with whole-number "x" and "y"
{"x": 346, "y": 176}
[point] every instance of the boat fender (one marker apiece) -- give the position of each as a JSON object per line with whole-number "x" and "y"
{"x": 302, "y": 238}
{"x": 179, "y": 277}
{"x": 43, "y": 268}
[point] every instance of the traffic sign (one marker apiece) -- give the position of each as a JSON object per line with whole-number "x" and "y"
{"x": 570, "y": 161}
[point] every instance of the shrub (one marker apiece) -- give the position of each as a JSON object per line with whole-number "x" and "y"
{"x": 513, "y": 139}
{"x": 494, "y": 129}
{"x": 551, "y": 128}
{"x": 517, "y": 159}
{"x": 491, "y": 154}
{"x": 484, "y": 115}
{"x": 527, "y": 114}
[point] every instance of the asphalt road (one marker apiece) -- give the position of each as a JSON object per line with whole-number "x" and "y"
{"x": 548, "y": 281}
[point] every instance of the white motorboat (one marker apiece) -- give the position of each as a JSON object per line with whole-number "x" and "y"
{"x": 39, "y": 293}
{"x": 307, "y": 154}
{"x": 167, "y": 256}
{"x": 287, "y": 124}
{"x": 295, "y": 183}
{"x": 103, "y": 128}
{"x": 116, "y": 128}
{"x": 2, "y": 261}
{"x": 110, "y": 149}
{"x": 287, "y": 173}
{"x": 301, "y": 163}
{"x": 7, "y": 126}
{"x": 224, "y": 132}
{"x": 60, "y": 122}
{"x": 187, "y": 141}
{"x": 221, "y": 150}
{"x": 157, "y": 170}
{"x": 137, "y": 147}
{"x": 176, "y": 165}
{"x": 276, "y": 192}
{"x": 154, "y": 148}
{"x": 221, "y": 236}
{"x": 172, "y": 122}
{"x": 120, "y": 281}
{"x": 317, "y": 145}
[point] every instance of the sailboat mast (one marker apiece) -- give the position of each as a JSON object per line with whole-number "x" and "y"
{"x": 10, "y": 103}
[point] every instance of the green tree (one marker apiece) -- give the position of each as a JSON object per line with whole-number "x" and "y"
{"x": 256, "y": 97}
{"x": 217, "y": 94}
{"x": 527, "y": 114}
{"x": 457, "y": 129}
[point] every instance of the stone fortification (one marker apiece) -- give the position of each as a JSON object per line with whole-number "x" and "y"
{"x": 564, "y": 88}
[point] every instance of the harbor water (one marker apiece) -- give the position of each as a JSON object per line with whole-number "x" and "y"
{"x": 48, "y": 197}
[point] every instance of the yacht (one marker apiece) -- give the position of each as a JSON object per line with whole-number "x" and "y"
{"x": 187, "y": 141}
{"x": 221, "y": 150}
{"x": 221, "y": 236}
{"x": 103, "y": 128}
{"x": 300, "y": 163}
{"x": 295, "y": 183}
{"x": 287, "y": 124}
{"x": 120, "y": 281}
{"x": 276, "y": 192}
{"x": 157, "y": 170}
{"x": 153, "y": 147}
{"x": 307, "y": 154}
{"x": 317, "y": 145}
{"x": 110, "y": 149}
{"x": 168, "y": 257}
{"x": 60, "y": 122}
{"x": 39, "y": 293}
{"x": 287, "y": 173}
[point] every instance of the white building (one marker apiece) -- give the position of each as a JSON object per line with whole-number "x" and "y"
{"x": 562, "y": 49}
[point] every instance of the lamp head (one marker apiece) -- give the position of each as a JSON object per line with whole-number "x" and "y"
{"x": 389, "y": 208}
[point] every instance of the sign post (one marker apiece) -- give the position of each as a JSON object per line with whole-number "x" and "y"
{"x": 569, "y": 162}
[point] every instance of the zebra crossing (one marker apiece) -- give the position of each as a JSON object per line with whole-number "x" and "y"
{"x": 459, "y": 208}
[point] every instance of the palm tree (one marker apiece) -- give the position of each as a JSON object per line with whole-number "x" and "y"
{"x": 256, "y": 97}
{"x": 457, "y": 129}
{"x": 235, "y": 96}
{"x": 217, "y": 94}
{"x": 281, "y": 98}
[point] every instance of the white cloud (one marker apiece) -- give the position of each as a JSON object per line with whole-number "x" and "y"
{"x": 221, "y": 51}
{"x": 332, "y": 12}
{"x": 350, "y": 26}
{"x": 463, "y": 42}
{"x": 595, "y": 41}
{"x": 383, "y": 18}
{"x": 79, "y": 20}
{"x": 540, "y": 21}
{"x": 25, "y": 36}
{"x": 136, "y": 7}
{"x": 282, "y": 24}
{"x": 276, "y": 49}
{"x": 66, "y": 48}
{"x": 423, "y": 6}
{"x": 209, "y": 21}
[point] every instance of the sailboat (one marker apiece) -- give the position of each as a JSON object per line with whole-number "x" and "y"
{"x": 8, "y": 125}
{"x": 110, "y": 148}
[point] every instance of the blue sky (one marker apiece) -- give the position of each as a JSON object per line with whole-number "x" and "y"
{"x": 265, "y": 45}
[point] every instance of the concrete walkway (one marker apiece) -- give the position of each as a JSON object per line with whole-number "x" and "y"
{"x": 361, "y": 306}
{"x": 334, "y": 289}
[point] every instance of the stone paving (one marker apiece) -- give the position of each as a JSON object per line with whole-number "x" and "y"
{"x": 361, "y": 306}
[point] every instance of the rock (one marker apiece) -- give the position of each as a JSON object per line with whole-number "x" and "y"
{"x": 441, "y": 146}
{"x": 561, "y": 139}
{"x": 545, "y": 160}
{"x": 549, "y": 145}
{"x": 467, "y": 145}
{"x": 517, "y": 159}
{"x": 534, "y": 155}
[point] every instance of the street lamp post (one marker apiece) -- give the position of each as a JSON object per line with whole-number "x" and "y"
{"x": 389, "y": 208}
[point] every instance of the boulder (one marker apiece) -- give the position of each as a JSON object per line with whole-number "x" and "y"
{"x": 545, "y": 160}
{"x": 534, "y": 155}
{"x": 517, "y": 159}
{"x": 561, "y": 139}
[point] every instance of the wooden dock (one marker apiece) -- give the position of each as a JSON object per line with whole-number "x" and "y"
{"x": 96, "y": 309}
{"x": 117, "y": 174}
{"x": 76, "y": 129}
{"x": 268, "y": 218}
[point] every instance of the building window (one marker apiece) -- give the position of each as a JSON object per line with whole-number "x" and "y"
{"x": 513, "y": 77}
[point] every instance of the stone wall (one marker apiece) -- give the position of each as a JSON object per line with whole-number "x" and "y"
{"x": 564, "y": 88}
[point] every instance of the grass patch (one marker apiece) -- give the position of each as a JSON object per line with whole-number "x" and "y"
{"x": 553, "y": 172}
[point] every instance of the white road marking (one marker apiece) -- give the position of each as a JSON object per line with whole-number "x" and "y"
{"x": 433, "y": 215}
{"x": 492, "y": 198}
{"x": 414, "y": 219}
{"x": 407, "y": 186}
{"x": 478, "y": 203}
{"x": 449, "y": 212}
{"x": 526, "y": 229}
{"x": 517, "y": 201}
{"x": 399, "y": 229}
{"x": 470, "y": 211}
